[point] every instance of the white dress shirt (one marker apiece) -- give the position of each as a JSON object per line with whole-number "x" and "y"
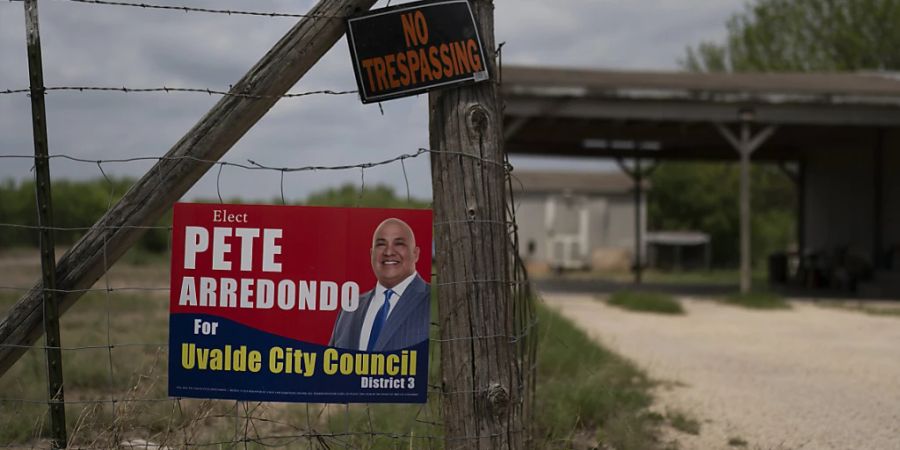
{"x": 376, "y": 304}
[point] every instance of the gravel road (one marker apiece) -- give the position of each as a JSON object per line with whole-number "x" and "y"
{"x": 806, "y": 378}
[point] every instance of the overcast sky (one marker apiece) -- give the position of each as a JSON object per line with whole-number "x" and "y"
{"x": 96, "y": 45}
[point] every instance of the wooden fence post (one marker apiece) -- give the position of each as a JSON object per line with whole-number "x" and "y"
{"x": 481, "y": 373}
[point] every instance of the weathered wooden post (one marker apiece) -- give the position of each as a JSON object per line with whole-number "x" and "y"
{"x": 745, "y": 145}
{"x": 482, "y": 395}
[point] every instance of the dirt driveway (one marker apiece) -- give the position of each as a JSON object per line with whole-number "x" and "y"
{"x": 808, "y": 378}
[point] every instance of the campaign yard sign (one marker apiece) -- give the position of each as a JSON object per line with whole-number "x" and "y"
{"x": 285, "y": 303}
{"x": 414, "y": 47}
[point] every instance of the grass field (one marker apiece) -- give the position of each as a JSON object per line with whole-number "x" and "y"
{"x": 886, "y": 309}
{"x": 713, "y": 277}
{"x": 655, "y": 302}
{"x": 758, "y": 300}
{"x": 115, "y": 348}
{"x": 589, "y": 393}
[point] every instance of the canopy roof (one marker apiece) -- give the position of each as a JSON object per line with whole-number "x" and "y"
{"x": 553, "y": 182}
{"x": 668, "y": 115}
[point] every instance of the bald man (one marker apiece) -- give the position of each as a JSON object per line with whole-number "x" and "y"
{"x": 395, "y": 314}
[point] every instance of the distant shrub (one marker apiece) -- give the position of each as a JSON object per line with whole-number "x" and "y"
{"x": 655, "y": 302}
{"x": 758, "y": 300}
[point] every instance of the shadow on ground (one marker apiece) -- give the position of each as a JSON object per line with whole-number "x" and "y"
{"x": 600, "y": 286}
{"x": 605, "y": 286}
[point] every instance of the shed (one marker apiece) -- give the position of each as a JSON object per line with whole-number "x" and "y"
{"x": 678, "y": 249}
{"x": 576, "y": 220}
{"x": 836, "y": 134}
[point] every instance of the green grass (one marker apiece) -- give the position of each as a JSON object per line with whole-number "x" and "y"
{"x": 584, "y": 393}
{"x": 683, "y": 422}
{"x": 873, "y": 310}
{"x": 582, "y": 387}
{"x": 717, "y": 277}
{"x": 758, "y": 300}
{"x": 137, "y": 256}
{"x": 882, "y": 312}
{"x": 714, "y": 276}
{"x": 655, "y": 302}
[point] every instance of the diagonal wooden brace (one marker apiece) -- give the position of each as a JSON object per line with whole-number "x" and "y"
{"x": 185, "y": 163}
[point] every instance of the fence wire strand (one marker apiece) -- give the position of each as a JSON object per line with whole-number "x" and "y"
{"x": 191, "y": 9}
{"x": 165, "y": 89}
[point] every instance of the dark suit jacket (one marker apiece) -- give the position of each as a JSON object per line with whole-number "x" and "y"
{"x": 406, "y": 326}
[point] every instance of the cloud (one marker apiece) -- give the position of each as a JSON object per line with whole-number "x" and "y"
{"x": 120, "y": 46}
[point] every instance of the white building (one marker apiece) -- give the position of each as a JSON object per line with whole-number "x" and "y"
{"x": 577, "y": 220}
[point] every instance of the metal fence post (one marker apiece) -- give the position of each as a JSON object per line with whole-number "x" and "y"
{"x": 45, "y": 221}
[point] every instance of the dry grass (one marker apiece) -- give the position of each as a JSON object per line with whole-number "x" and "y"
{"x": 115, "y": 347}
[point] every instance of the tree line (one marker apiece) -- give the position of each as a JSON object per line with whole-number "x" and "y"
{"x": 769, "y": 36}
{"x": 78, "y": 204}
{"x": 704, "y": 197}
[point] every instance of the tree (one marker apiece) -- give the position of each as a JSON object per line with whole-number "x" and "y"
{"x": 76, "y": 206}
{"x": 379, "y": 196}
{"x": 770, "y": 36}
{"x": 703, "y": 196}
{"x": 805, "y": 36}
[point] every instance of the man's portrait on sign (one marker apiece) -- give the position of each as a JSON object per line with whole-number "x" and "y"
{"x": 394, "y": 314}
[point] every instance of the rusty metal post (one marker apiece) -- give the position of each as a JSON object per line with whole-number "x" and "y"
{"x": 45, "y": 221}
{"x": 637, "y": 174}
{"x": 638, "y": 193}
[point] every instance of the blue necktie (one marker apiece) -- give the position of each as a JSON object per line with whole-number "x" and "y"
{"x": 380, "y": 318}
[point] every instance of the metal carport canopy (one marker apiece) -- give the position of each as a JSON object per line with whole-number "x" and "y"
{"x": 604, "y": 113}
{"x": 703, "y": 116}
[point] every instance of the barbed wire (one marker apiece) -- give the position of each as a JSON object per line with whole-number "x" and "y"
{"x": 504, "y": 223}
{"x": 433, "y": 390}
{"x": 165, "y": 89}
{"x": 253, "y": 165}
{"x": 165, "y": 289}
{"x": 86, "y": 347}
{"x": 191, "y": 9}
{"x": 54, "y": 228}
{"x": 510, "y": 339}
{"x": 84, "y": 291}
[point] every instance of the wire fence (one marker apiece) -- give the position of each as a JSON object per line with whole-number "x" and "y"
{"x": 127, "y": 409}
{"x": 167, "y": 90}
{"x": 115, "y": 338}
{"x": 192, "y": 9}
